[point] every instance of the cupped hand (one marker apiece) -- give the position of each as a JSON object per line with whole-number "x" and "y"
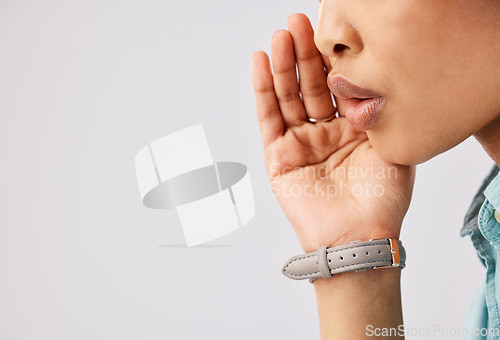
{"x": 330, "y": 182}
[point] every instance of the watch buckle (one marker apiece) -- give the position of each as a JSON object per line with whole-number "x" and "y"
{"x": 393, "y": 243}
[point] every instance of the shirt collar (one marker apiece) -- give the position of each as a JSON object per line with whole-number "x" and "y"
{"x": 489, "y": 188}
{"x": 492, "y": 192}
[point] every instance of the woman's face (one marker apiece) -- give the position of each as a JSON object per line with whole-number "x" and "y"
{"x": 436, "y": 64}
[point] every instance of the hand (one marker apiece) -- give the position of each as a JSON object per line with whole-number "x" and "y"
{"x": 332, "y": 185}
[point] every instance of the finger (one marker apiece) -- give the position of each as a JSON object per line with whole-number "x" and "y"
{"x": 328, "y": 68}
{"x": 316, "y": 95}
{"x": 326, "y": 62}
{"x": 285, "y": 79}
{"x": 268, "y": 111}
{"x": 338, "y": 105}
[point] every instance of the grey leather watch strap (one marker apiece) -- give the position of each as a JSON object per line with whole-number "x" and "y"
{"x": 358, "y": 256}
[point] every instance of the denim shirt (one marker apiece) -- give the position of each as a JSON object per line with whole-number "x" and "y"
{"x": 482, "y": 223}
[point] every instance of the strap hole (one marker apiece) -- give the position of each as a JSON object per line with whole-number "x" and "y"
{"x": 367, "y": 253}
{"x": 353, "y": 255}
{"x": 341, "y": 258}
{"x": 329, "y": 260}
{"x": 380, "y": 252}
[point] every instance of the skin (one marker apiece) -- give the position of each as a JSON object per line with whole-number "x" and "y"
{"x": 435, "y": 63}
{"x": 438, "y": 67}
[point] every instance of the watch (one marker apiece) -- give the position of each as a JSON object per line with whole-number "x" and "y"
{"x": 355, "y": 256}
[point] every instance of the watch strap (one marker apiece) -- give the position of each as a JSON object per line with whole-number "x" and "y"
{"x": 357, "y": 256}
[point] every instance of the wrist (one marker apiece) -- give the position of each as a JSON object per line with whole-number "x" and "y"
{"x": 368, "y": 282}
{"x": 352, "y": 302}
{"x": 355, "y": 256}
{"x": 346, "y": 238}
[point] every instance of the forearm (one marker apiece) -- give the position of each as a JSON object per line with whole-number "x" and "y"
{"x": 353, "y": 305}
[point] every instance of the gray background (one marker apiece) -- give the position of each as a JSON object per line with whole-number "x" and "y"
{"x": 83, "y": 86}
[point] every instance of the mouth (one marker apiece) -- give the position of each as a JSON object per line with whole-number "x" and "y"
{"x": 363, "y": 106}
{"x": 344, "y": 89}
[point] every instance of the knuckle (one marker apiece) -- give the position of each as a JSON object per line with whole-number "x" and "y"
{"x": 288, "y": 96}
{"x": 307, "y": 55}
{"x": 312, "y": 91}
{"x": 271, "y": 112}
{"x": 264, "y": 89}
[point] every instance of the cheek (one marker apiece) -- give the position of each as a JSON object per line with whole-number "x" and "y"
{"x": 438, "y": 71}
{"x": 433, "y": 87}
{"x": 414, "y": 53}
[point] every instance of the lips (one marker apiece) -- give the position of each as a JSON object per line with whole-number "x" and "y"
{"x": 363, "y": 106}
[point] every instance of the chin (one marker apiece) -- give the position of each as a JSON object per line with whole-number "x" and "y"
{"x": 400, "y": 152}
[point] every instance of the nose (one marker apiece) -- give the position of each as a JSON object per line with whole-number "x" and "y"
{"x": 335, "y": 35}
